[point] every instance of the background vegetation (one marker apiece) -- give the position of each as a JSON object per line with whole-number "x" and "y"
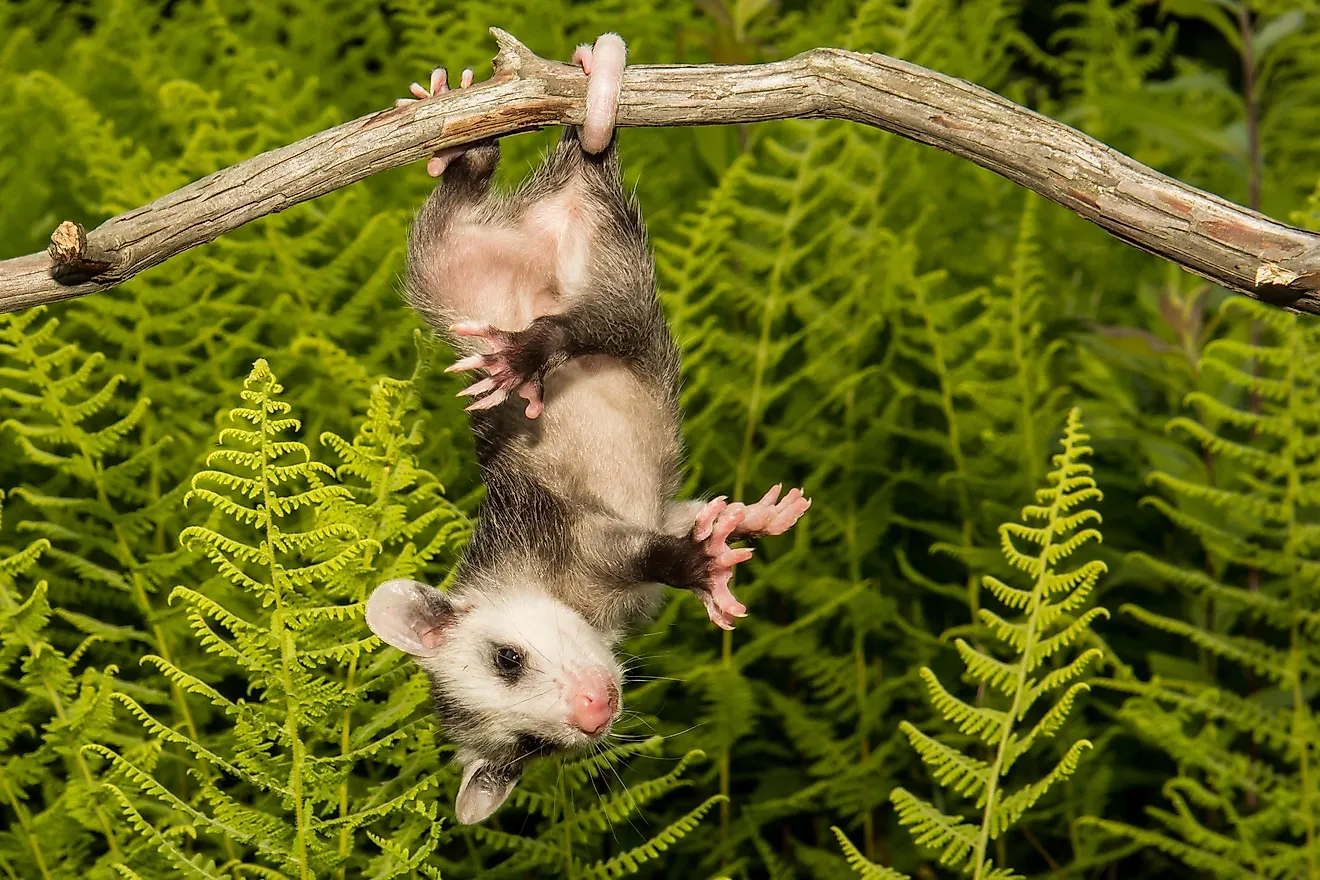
{"x": 205, "y": 470}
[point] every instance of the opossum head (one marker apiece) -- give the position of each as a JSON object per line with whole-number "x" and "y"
{"x": 515, "y": 674}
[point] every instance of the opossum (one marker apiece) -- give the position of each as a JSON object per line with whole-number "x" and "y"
{"x": 579, "y": 529}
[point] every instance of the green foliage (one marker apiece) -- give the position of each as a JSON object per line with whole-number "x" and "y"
{"x": 1051, "y": 620}
{"x": 270, "y": 786}
{"x": 1244, "y": 761}
{"x": 53, "y": 705}
{"x": 186, "y": 684}
{"x": 863, "y": 866}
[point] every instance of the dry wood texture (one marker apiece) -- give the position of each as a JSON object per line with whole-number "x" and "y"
{"x": 1228, "y": 244}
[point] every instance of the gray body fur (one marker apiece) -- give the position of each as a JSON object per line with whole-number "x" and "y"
{"x": 579, "y": 502}
{"x": 572, "y": 496}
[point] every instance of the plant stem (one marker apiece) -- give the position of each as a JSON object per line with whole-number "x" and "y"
{"x": 287, "y": 648}
{"x": 1251, "y": 105}
{"x": 769, "y": 311}
{"x": 382, "y": 488}
{"x": 569, "y": 814}
{"x": 57, "y": 705}
{"x": 859, "y": 633}
{"x": 25, "y": 822}
{"x": 1026, "y": 375}
{"x": 1301, "y": 733}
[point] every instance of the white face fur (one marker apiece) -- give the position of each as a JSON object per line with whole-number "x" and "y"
{"x": 514, "y": 672}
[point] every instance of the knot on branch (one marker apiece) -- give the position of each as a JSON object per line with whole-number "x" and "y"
{"x": 74, "y": 255}
{"x": 1280, "y": 286}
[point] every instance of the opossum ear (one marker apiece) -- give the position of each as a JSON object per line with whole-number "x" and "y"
{"x": 411, "y": 616}
{"x": 484, "y": 788}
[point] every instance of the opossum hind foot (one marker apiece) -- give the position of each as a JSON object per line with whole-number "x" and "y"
{"x": 439, "y": 86}
{"x": 517, "y": 362}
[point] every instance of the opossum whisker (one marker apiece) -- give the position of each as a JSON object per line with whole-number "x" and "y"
{"x": 633, "y": 715}
{"x": 526, "y": 699}
{"x": 595, "y": 750}
{"x": 599, "y": 748}
{"x": 631, "y": 800}
{"x": 651, "y": 656}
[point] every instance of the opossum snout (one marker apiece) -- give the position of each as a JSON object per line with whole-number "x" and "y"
{"x": 593, "y": 701}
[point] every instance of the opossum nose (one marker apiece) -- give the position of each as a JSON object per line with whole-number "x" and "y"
{"x": 594, "y": 703}
{"x": 591, "y": 715}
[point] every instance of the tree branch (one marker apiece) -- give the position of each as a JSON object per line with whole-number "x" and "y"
{"x": 1230, "y": 245}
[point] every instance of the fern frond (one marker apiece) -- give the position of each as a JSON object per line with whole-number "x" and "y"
{"x": 1192, "y": 856}
{"x": 630, "y": 861}
{"x": 1251, "y": 515}
{"x": 51, "y": 710}
{"x": 950, "y": 767}
{"x": 1065, "y": 516}
{"x": 1260, "y": 658}
{"x": 982, "y": 721}
{"x": 864, "y": 868}
{"x": 955, "y": 840}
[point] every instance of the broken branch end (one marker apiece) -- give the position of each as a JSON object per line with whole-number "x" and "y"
{"x": 72, "y": 253}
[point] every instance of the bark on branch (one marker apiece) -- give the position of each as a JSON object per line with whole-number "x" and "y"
{"x": 1230, "y": 245}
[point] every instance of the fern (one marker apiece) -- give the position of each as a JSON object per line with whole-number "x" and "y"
{"x": 66, "y": 426}
{"x": 337, "y": 750}
{"x": 864, "y": 868}
{"x": 568, "y": 835}
{"x": 760, "y": 283}
{"x": 887, "y": 325}
{"x": 51, "y": 709}
{"x": 788, "y": 290}
{"x": 402, "y": 509}
{"x": 275, "y": 630}
{"x": 989, "y": 367}
{"x": 1254, "y": 516}
{"x": 1043, "y": 629}
{"x": 87, "y": 494}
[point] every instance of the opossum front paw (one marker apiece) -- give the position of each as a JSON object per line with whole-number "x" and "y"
{"x": 773, "y": 515}
{"x": 515, "y": 363}
{"x": 439, "y": 85}
{"x": 716, "y": 522}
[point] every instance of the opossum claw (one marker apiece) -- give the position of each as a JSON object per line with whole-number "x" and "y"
{"x": 504, "y": 372}
{"x": 489, "y": 402}
{"x": 467, "y": 363}
{"x": 705, "y": 523}
{"x": 714, "y": 524}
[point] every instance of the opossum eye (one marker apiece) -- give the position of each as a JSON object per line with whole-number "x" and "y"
{"x": 509, "y": 662}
